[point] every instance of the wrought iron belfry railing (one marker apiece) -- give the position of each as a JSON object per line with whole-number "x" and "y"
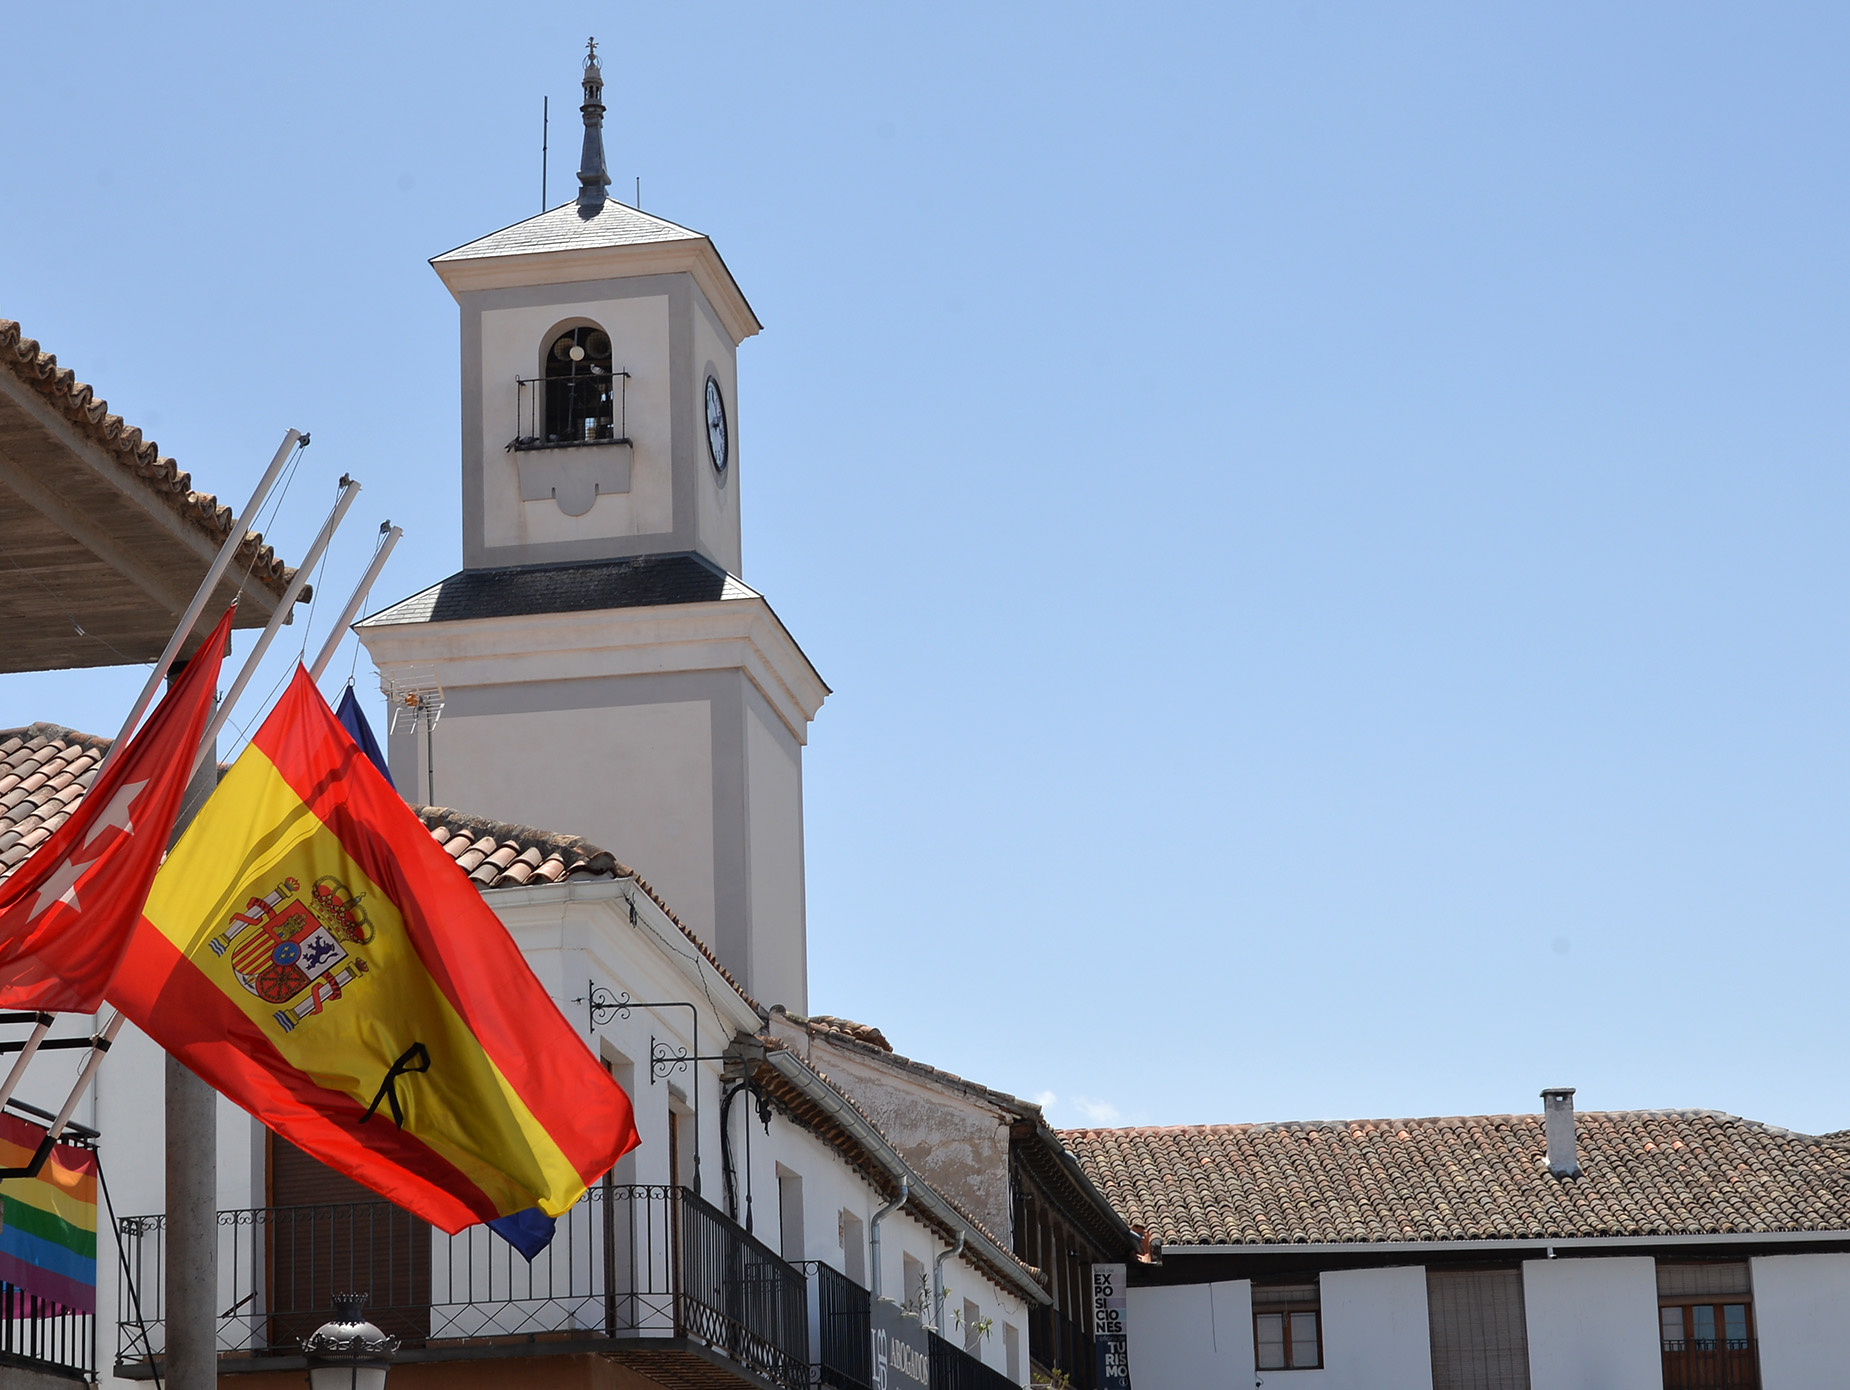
{"x": 627, "y": 1262}
{"x": 554, "y": 412}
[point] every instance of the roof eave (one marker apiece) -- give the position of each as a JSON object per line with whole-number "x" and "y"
{"x": 1540, "y": 1243}
{"x": 694, "y": 255}
{"x": 1000, "y": 1262}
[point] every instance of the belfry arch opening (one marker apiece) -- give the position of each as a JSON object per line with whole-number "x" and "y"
{"x": 583, "y": 392}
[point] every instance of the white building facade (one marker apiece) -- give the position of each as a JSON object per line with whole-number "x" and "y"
{"x": 1603, "y": 1251}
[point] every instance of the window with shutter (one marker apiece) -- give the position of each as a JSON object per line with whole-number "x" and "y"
{"x": 1480, "y": 1339}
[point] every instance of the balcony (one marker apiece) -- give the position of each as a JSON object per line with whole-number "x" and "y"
{"x": 562, "y": 412}
{"x": 651, "y": 1276}
{"x": 1057, "y": 1343}
{"x": 843, "y": 1337}
{"x": 1711, "y": 1363}
{"x": 952, "y": 1368}
{"x": 45, "y": 1337}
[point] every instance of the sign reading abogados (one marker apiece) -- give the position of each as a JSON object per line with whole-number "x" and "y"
{"x": 902, "y": 1351}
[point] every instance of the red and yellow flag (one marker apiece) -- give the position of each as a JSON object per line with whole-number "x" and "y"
{"x": 310, "y": 951}
{"x": 67, "y": 913}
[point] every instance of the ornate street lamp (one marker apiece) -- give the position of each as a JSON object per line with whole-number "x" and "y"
{"x": 347, "y": 1352}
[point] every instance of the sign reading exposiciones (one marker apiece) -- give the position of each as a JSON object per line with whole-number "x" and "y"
{"x": 1108, "y": 1329}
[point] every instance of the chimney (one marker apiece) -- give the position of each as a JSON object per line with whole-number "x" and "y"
{"x": 1558, "y": 1115}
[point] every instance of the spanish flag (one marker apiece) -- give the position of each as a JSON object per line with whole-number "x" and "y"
{"x": 310, "y": 952}
{"x": 48, "y": 1222}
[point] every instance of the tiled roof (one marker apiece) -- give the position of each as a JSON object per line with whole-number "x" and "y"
{"x": 45, "y": 770}
{"x": 566, "y": 229}
{"x": 1481, "y": 1177}
{"x": 140, "y": 458}
{"x": 524, "y": 590}
{"x": 860, "y": 1032}
{"x": 497, "y": 854}
{"x": 801, "y": 1104}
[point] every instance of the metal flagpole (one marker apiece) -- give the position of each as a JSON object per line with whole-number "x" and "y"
{"x": 209, "y": 740}
{"x": 101, "y": 1042}
{"x": 220, "y": 563}
{"x": 26, "y": 1054}
{"x": 239, "y": 529}
{"x": 351, "y": 611}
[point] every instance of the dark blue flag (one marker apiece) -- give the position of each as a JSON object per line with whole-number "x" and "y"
{"x": 528, "y": 1231}
{"x": 353, "y": 720}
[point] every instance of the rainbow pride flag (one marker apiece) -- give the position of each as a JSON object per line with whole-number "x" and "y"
{"x": 48, "y": 1223}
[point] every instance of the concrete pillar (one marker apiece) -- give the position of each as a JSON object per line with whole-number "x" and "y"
{"x": 192, "y": 1231}
{"x": 191, "y": 1276}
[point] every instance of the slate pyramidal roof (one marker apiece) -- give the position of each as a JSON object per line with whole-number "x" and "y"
{"x": 566, "y": 228}
{"x": 569, "y": 243}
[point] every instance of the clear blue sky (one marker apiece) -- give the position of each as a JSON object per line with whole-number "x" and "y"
{"x": 1326, "y": 524}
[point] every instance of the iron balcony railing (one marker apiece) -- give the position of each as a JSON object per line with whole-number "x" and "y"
{"x": 1060, "y": 1344}
{"x": 45, "y": 1336}
{"x": 953, "y": 1368}
{"x": 844, "y": 1329}
{"x": 1711, "y": 1363}
{"x": 554, "y": 412}
{"x": 626, "y": 1263}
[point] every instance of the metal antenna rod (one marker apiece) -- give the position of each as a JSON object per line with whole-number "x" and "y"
{"x": 545, "y": 129}
{"x": 351, "y": 611}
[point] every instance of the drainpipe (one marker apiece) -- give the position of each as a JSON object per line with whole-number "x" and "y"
{"x": 873, "y": 1230}
{"x": 937, "y": 1284}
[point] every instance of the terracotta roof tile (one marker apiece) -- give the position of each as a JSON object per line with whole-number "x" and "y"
{"x": 494, "y": 848}
{"x": 1475, "y": 1177}
{"x": 141, "y": 458}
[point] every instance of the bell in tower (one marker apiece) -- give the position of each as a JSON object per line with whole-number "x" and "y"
{"x": 604, "y": 669}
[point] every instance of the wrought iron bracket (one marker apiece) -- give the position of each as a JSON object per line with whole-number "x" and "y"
{"x": 603, "y": 1004}
{"x": 665, "y": 1059}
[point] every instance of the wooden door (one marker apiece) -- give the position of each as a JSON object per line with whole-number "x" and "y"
{"x": 329, "y": 1235}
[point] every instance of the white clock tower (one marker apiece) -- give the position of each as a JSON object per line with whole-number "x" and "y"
{"x": 602, "y": 667}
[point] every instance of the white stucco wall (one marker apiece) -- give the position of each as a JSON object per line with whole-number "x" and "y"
{"x": 1375, "y": 1334}
{"x": 1190, "y": 1336}
{"x": 1802, "y": 1317}
{"x": 634, "y": 779}
{"x": 779, "y": 968}
{"x": 1592, "y": 1324}
{"x": 513, "y": 341}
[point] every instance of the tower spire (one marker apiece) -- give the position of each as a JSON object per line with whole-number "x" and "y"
{"x": 593, "y": 177}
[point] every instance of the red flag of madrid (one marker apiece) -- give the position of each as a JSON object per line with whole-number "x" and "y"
{"x": 67, "y": 912}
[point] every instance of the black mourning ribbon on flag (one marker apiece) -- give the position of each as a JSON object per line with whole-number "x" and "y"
{"x": 415, "y": 1058}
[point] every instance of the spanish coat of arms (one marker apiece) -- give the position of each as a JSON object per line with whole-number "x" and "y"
{"x": 296, "y": 949}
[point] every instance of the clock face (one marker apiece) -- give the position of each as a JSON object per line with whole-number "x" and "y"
{"x": 716, "y": 426}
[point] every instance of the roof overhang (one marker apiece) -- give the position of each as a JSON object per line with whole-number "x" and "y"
{"x": 924, "y": 1201}
{"x": 694, "y": 255}
{"x": 102, "y": 541}
{"x": 1537, "y": 1244}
